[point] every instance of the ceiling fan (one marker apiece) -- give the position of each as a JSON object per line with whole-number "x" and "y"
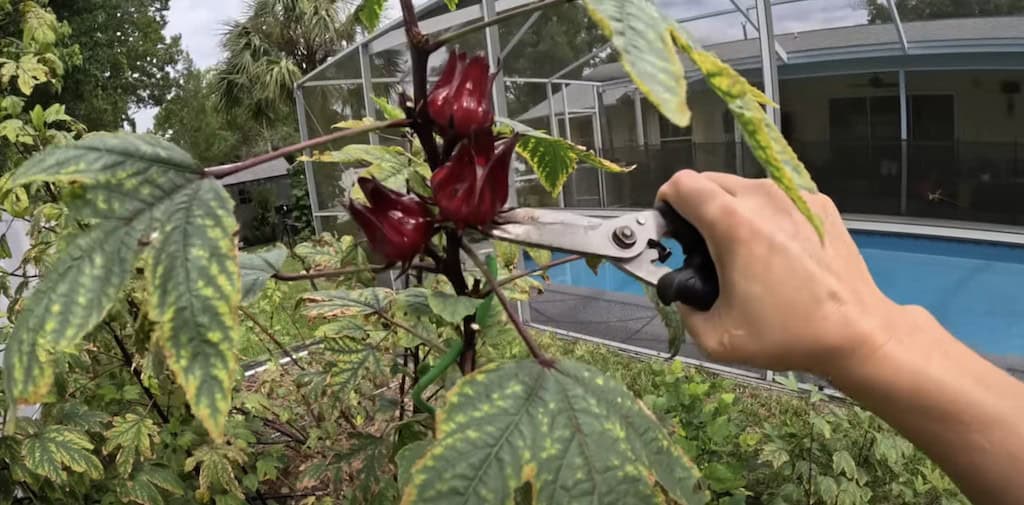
{"x": 876, "y": 81}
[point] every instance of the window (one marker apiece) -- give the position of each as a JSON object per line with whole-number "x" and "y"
{"x": 670, "y": 131}
{"x": 243, "y": 196}
{"x": 863, "y": 118}
{"x": 932, "y": 118}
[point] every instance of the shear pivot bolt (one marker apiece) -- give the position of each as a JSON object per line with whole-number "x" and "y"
{"x": 624, "y": 237}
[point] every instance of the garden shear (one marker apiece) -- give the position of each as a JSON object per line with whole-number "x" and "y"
{"x": 631, "y": 242}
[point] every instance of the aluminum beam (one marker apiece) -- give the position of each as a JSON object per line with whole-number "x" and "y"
{"x": 369, "y": 105}
{"x": 769, "y": 70}
{"x": 895, "y": 12}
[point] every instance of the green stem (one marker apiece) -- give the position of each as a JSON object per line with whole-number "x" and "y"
{"x": 435, "y": 373}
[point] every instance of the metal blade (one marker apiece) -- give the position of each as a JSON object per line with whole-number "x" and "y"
{"x": 569, "y": 232}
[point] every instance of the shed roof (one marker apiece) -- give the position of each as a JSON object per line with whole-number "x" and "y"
{"x": 268, "y": 170}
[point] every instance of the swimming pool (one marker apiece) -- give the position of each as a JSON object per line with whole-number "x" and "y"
{"x": 976, "y": 289}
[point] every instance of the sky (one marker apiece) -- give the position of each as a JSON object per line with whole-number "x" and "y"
{"x": 200, "y": 23}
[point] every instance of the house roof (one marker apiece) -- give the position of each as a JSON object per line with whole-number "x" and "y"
{"x": 268, "y": 170}
{"x": 947, "y": 43}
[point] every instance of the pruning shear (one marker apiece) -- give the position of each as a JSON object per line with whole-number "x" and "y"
{"x": 632, "y": 243}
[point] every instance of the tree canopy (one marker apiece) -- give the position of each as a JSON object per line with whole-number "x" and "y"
{"x": 130, "y": 61}
{"x": 916, "y": 10}
{"x": 274, "y": 45}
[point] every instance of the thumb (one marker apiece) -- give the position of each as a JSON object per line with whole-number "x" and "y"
{"x": 704, "y": 327}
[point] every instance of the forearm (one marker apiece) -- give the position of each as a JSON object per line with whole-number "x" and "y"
{"x": 964, "y": 412}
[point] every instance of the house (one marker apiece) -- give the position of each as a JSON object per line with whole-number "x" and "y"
{"x": 932, "y": 129}
{"x": 258, "y": 192}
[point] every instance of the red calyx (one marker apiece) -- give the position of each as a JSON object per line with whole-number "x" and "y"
{"x": 473, "y": 186}
{"x": 397, "y": 225}
{"x": 460, "y": 102}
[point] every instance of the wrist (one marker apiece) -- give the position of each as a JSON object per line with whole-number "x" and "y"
{"x": 878, "y": 338}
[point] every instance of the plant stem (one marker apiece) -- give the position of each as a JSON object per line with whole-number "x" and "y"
{"x": 512, "y": 278}
{"x": 223, "y": 171}
{"x": 450, "y": 37}
{"x": 126, "y": 355}
{"x": 534, "y": 349}
{"x": 267, "y": 333}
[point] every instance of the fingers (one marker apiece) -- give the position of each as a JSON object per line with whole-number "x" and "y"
{"x": 704, "y": 328}
{"x": 701, "y": 201}
{"x": 732, "y": 183}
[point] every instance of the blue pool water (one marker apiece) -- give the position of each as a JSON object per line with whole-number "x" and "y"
{"x": 975, "y": 289}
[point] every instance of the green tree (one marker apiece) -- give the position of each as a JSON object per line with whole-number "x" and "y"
{"x": 130, "y": 59}
{"x": 274, "y": 45}
{"x": 34, "y": 55}
{"x": 915, "y": 10}
{"x": 558, "y": 38}
{"x": 191, "y": 119}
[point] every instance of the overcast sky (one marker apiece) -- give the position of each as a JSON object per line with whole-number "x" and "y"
{"x": 200, "y": 23}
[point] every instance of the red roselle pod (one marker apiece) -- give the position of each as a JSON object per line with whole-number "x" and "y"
{"x": 397, "y": 225}
{"x": 473, "y": 186}
{"x": 460, "y": 102}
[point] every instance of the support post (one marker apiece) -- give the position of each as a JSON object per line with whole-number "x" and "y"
{"x": 551, "y": 110}
{"x": 769, "y": 70}
{"x": 314, "y": 206}
{"x": 565, "y": 113}
{"x": 638, "y": 113}
{"x": 493, "y": 40}
{"x": 904, "y": 138}
{"x": 367, "y": 76}
{"x": 598, "y": 145}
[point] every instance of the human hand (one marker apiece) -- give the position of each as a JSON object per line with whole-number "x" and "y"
{"x": 787, "y": 301}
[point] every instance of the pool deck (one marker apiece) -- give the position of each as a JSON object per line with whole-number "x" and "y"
{"x": 630, "y": 321}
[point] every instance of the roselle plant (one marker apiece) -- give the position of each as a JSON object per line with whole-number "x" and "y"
{"x": 145, "y": 263}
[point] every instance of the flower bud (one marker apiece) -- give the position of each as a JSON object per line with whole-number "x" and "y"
{"x": 397, "y": 225}
{"x": 460, "y": 102}
{"x": 473, "y": 186}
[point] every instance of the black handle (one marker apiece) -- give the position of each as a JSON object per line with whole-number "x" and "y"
{"x": 696, "y": 283}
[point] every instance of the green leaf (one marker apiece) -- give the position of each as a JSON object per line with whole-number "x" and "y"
{"x": 139, "y": 490}
{"x": 452, "y": 4}
{"x": 390, "y": 165}
{"x": 723, "y": 478}
{"x": 193, "y": 279}
{"x": 643, "y": 37}
{"x": 450, "y": 307}
{"x": 761, "y": 135}
{"x": 135, "y": 191}
{"x": 774, "y": 454}
{"x": 351, "y": 361}
{"x": 347, "y": 303}
{"x": 407, "y": 457}
{"x": 827, "y": 488}
{"x": 540, "y": 256}
{"x": 573, "y": 433}
{"x": 594, "y": 263}
{"x": 821, "y": 426}
{"x": 369, "y": 12}
{"x": 507, "y": 253}
{"x": 843, "y": 462}
{"x": 56, "y": 448}
{"x": 672, "y": 320}
{"x": 267, "y": 467}
{"x": 553, "y": 159}
{"x": 257, "y": 268}
{"x": 134, "y": 436}
{"x": 389, "y": 111}
{"x": 145, "y": 487}
{"x": 216, "y": 469}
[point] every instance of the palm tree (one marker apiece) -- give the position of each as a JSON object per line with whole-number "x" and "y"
{"x": 274, "y": 45}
